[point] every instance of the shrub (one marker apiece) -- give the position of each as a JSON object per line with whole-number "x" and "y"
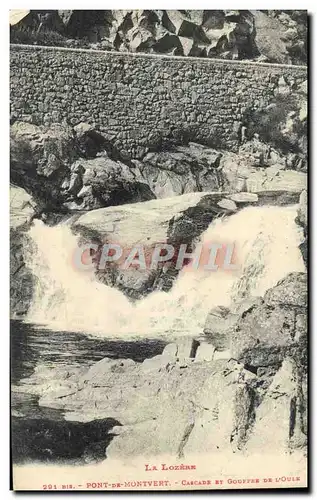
{"x": 29, "y": 36}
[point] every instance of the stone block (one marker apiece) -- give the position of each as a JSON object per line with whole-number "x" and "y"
{"x": 205, "y": 352}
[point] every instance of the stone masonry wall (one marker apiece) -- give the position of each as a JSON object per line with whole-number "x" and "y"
{"x": 136, "y": 99}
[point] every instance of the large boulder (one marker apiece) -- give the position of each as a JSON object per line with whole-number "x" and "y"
{"x": 276, "y": 180}
{"x": 179, "y": 403}
{"x": 290, "y": 291}
{"x": 281, "y": 35}
{"x": 259, "y": 168}
{"x": 48, "y": 148}
{"x": 267, "y": 331}
{"x": 40, "y": 160}
{"x": 72, "y": 169}
{"x": 175, "y": 221}
{"x": 146, "y": 222}
{"x": 101, "y": 182}
{"x": 278, "y": 424}
{"x": 269, "y": 38}
{"x": 22, "y": 207}
{"x": 182, "y": 169}
{"x": 219, "y": 326}
{"x": 261, "y": 335}
{"x": 75, "y": 169}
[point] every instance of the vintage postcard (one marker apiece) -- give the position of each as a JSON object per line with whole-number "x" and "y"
{"x": 158, "y": 205}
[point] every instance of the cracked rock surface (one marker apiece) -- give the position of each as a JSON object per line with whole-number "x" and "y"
{"x": 191, "y": 399}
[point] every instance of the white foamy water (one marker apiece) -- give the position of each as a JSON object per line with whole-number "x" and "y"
{"x": 266, "y": 241}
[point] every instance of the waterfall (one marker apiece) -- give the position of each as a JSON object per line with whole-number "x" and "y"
{"x": 266, "y": 241}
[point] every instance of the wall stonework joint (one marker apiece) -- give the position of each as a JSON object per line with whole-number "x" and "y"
{"x": 137, "y": 101}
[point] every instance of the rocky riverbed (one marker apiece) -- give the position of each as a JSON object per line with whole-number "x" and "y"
{"x": 240, "y": 385}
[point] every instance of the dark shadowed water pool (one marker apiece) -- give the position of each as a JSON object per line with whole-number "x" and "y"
{"x": 42, "y": 434}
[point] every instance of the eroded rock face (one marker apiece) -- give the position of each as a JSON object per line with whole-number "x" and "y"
{"x": 274, "y": 36}
{"x": 276, "y": 180}
{"x": 279, "y": 36}
{"x": 276, "y": 426}
{"x": 181, "y": 402}
{"x": 58, "y": 165}
{"x": 103, "y": 182}
{"x": 76, "y": 169}
{"x": 265, "y": 334}
{"x": 229, "y": 391}
{"x": 302, "y": 220}
{"x": 218, "y": 327}
{"x": 22, "y": 210}
{"x": 290, "y": 292}
{"x": 260, "y": 332}
{"x": 22, "y": 207}
{"x": 21, "y": 278}
{"x": 49, "y": 148}
{"x": 183, "y": 169}
{"x": 39, "y": 160}
{"x": 70, "y": 169}
{"x": 262, "y": 336}
{"x": 282, "y": 125}
{"x": 174, "y": 221}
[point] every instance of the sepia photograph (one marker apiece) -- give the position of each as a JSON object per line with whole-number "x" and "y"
{"x": 158, "y": 249}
